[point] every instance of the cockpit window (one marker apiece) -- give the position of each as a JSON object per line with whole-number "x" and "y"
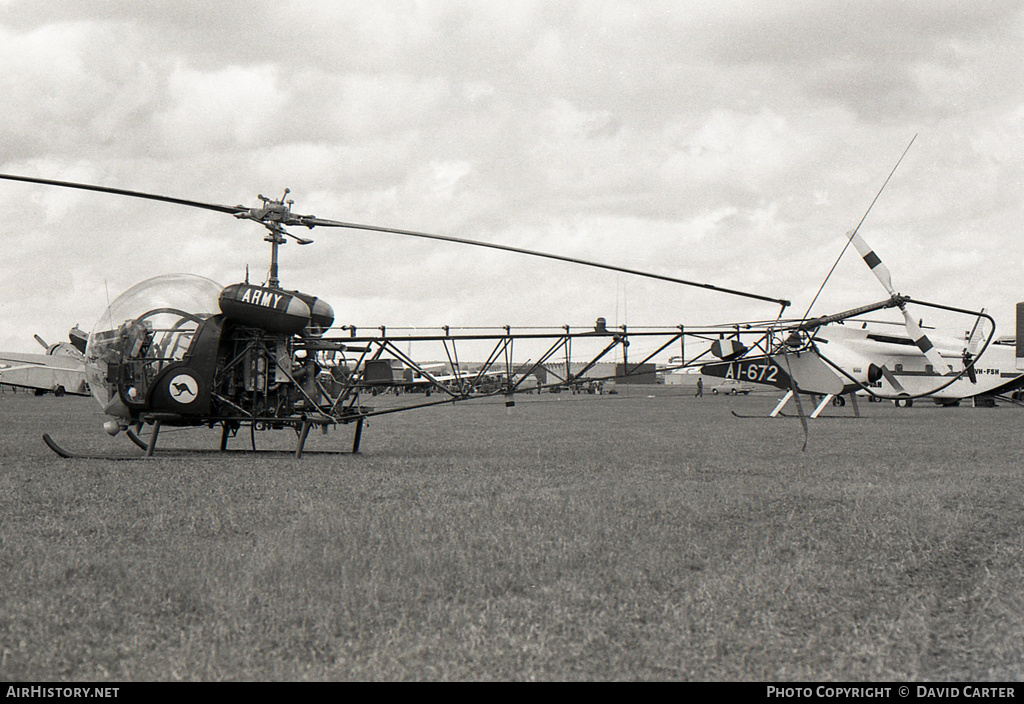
{"x": 150, "y": 325}
{"x": 149, "y": 343}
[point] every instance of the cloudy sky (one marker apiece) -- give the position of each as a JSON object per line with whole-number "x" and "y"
{"x": 726, "y": 142}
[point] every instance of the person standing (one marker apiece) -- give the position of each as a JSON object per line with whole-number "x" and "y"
{"x": 700, "y": 388}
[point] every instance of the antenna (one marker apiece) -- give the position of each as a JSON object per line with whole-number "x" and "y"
{"x": 856, "y": 229}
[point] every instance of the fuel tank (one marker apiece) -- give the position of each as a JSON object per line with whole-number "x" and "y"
{"x": 270, "y": 309}
{"x": 321, "y": 315}
{"x": 727, "y": 349}
{"x": 276, "y": 310}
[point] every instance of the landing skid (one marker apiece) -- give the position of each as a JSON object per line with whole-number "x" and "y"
{"x": 149, "y": 445}
{"x": 210, "y": 454}
{"x": 825, "y": 400}
{"x": 134, "y": 437}
{"x": 67, "y": 454}
{"x": 791, "y": 415}
{"x": 745, "y": 415}
{"x": 176, "y": 453}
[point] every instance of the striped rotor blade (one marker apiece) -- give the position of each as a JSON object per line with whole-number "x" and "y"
{"x": 873, "y": 262}
{"x": 896, "y": 385}
{"x": 923, "y": 343}
{"x": 975, "y": 338}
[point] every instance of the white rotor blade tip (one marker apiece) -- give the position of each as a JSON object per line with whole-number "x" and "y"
{"x": 873, "y": 262}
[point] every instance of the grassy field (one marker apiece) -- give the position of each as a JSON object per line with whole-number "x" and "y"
{"x": 617, "y": 537}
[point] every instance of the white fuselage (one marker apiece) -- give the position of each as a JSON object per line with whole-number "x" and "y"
{"x": 856, "y": 349}
{"x": 62, "y": 370}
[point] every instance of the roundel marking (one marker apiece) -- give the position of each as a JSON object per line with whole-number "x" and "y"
{"x": 183, "y": 388}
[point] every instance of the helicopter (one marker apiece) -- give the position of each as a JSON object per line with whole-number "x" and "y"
{"x": 883, "y": 364}
{"x": 181, "y": 350}
{"x": 858, "y": 360}
{"x": 874, "y": 360}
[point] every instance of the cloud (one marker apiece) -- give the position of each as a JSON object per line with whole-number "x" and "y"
{"x": 726, "y": 141}
{"x": 231, "y": 108}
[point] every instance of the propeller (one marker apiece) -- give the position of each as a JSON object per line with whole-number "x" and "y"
{"x": 881, "y": 272}
{"x": 275, "y": 215}
{"x": 876, "y": 372}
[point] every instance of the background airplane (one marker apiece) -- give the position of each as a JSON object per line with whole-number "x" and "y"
{"x": 61, "y": 370}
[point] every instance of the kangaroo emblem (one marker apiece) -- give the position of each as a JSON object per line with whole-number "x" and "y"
{"x": 183, "y": 388}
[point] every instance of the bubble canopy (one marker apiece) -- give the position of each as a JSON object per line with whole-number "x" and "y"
{"x": 166, "y": 310}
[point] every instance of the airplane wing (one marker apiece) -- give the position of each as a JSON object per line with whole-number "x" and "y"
{"x": 44, "y": 372}
{"x": 421, "y": 380}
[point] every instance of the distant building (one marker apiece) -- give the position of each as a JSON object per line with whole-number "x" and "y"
{"x": 638, "y": 374}
{"x": 680, "y": 379}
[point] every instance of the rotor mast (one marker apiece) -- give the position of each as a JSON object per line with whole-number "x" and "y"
{"x": 271, "y": 216}
{"x": 276, "y": 239}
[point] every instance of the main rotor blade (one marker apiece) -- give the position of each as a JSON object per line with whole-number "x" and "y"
{"x": 794, "y": 389}
{"x": 882, "y": 273}
{"x": 230, "y": 209}
{"x": 533, "y": 253}
{"x": 311, "y": 221}
{"x": 975, "y": 338}
{"x": 872, "y": 260}
{"x": 922, "y": 342}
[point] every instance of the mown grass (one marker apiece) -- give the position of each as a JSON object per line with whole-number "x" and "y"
{"x": 571, "y": 538}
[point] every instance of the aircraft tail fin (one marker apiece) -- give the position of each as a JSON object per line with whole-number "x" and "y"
{"x": 1020, "y": 336}
{"x": 78, "y": 338}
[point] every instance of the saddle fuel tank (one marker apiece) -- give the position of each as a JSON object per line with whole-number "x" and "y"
{"x": 321, "y": 315}
{"x": 270, "y": 309}
{"x": 276, "y": 310}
